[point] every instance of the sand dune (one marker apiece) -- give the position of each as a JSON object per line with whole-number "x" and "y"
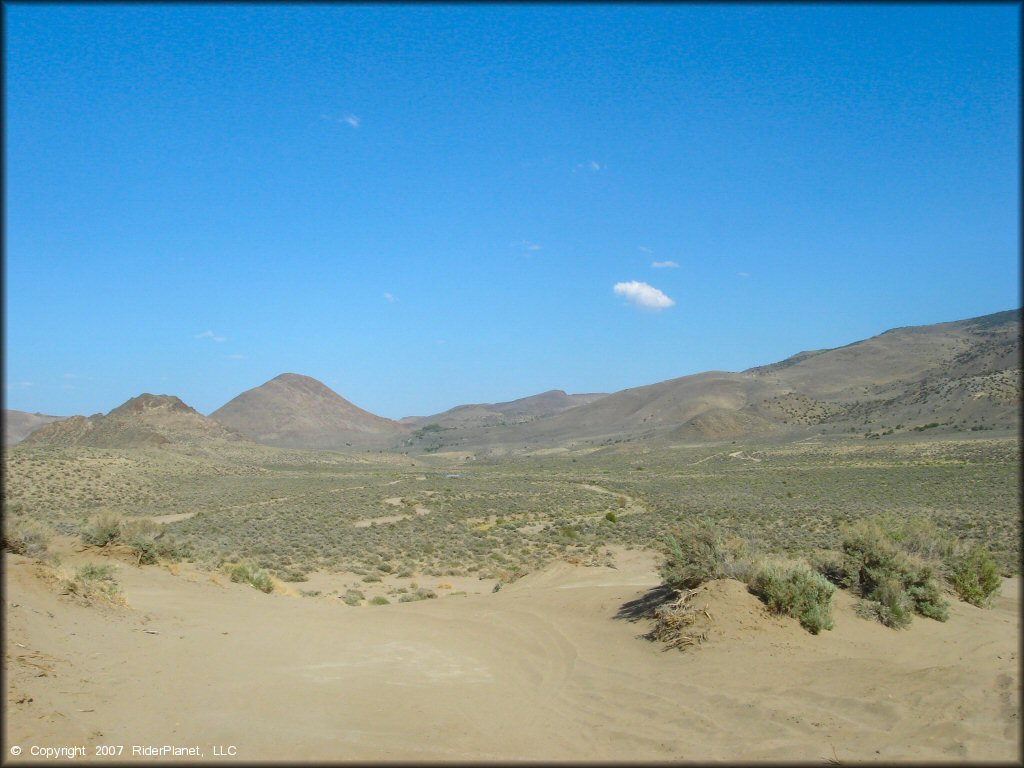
{"x": 541, "y": 670}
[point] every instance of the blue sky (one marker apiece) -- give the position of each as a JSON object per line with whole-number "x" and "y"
{"x": 423, "y": 206}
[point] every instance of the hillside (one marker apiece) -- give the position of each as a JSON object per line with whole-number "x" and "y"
{"x": 146, "y": 421}
{"x": 521, "y": 411}
{"x": 959, "y": 377}
{"x": 19, "y": 424}
{"x": 293, "y": 411}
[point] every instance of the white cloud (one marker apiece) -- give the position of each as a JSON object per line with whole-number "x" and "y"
{"x": 390, "y": 297}
{"x": 210, "y": 335}
{"x": 531, "y": 246}
{"x": 236, "y": 356}
{"x": 662, "y": 264}
{"x": 643, "y": 295}
{"x": 645, "y": 249}
{"x": 590, "y": 165}
{"x": 743, "y": 274}
{"x": 352, "y": 120}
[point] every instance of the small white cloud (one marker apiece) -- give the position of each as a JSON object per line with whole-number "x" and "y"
{"x": 236, "y": 356}
{"x": 643, "y": 295}
{"x": 390, "y": 297}
{"x": 590, "y": 165}
{"x": 743, "y": 274}
{"x": 210, "y": 335}
{"x": 532, "y": 246}
{"x": 664, "y": 264}
{"x": 352, "y": 120}
{"x": 645, "y": 249}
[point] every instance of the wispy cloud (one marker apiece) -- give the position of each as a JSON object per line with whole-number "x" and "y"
{"x": 664, "y": 264}
{"x": 643, "y": 295}
{"x": 69, "y": 378}
{"x": 744, "y": 275}
{"x": 236, "y": 356}
{"x": 20, "y": 385}
{"x": 645, "y": 249}
{"x": 352, "y": 120}
{"x": 390, "y": 297}
{"x": 210, "y": 335}
{"x": 591, "y": 165}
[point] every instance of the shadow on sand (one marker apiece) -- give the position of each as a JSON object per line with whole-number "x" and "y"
{"x": 643, "y": 607}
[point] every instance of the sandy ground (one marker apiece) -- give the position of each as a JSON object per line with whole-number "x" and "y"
{"x": 548, "y": 668}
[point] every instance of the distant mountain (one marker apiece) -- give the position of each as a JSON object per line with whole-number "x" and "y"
{"x": 959, "y": 377}
{"x": 523, "y": 410}
{"x": 146, "y": 421}
{"x": 19, "y": 424}
{"x": 955, "y": 377}
{"x": 293, "y": 411}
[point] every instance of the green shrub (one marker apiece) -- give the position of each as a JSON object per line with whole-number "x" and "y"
{"x": 248, "y": 573}
{"x": 291, "y": 575}
{"x": 142, "y": 536}
{"x": 94, "y": 581}
{"x": 421, "y": 593}
{"x": 975, "y": 576}
{"x": 27, "y": 537}
{"x": 920, "y": 536}
{"x": 793, "y": 589}
{"x": 380, "y": 600}
{"x": 888, "y": 562}
{"x": 102, "y": 528}
{"x": 831, "y": 565}
{"x": 353, "y": 597}
{"x": 701, "y": 553}
{"x": 611, "y": 517}
{"x": 889, "y": 604}
{"x": 148, "y": 540}
{"x": 921, "y": 580}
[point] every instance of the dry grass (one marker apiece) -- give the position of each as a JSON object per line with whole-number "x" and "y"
{"x": 294, "y": 512}
{"x": 681, "y": 623}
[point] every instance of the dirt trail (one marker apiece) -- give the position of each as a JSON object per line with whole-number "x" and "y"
{"x": 394, "y": 501}
{"x": 632, "y": 506}
{"x": 741, "y": 455}
{"x": 541, "y": 670}
{"x": 165, "y": 519}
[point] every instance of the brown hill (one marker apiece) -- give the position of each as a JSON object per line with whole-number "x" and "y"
{"x": 145, "y": 421}
{"x": 959, "y": 376}
{"x": 521, "y": 411}
{"x": 19, "y": 424}
{"x": 293, "y": 411}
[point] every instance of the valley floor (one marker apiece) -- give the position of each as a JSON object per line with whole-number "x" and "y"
{"x": 548, "y": 668}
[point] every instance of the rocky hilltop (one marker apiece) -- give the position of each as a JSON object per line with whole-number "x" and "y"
{"x": 146, "y": 421}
